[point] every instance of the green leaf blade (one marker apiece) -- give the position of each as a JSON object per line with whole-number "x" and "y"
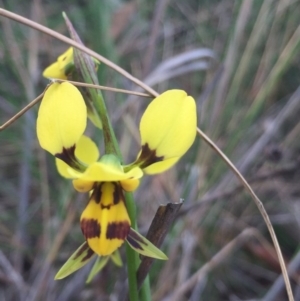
{"x": 143, "y": 246}
{"x": 77, "y": 260}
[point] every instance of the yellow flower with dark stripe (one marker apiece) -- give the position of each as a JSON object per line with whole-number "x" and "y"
{"x": 62, "y": 67}
{"x": 168, "y": 129}
{"x": 105, "y": 222}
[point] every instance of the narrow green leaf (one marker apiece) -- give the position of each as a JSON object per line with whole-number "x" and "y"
{"x": 86, "y": 72}
{"x": 97, "y": 267}
{"x": 143, "y": 246}
{"x": 86, "y": 68}
{"x": 77, "y": 260}
{"x": 116, "y": 258}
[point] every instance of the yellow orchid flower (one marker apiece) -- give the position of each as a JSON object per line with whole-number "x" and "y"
{"x": 61, "y": 120}
{"x": 168, "y": 129}
{"x": 62, "y": 67}
{"x": 105, "y": 222}
{"x": 81, "y": 257}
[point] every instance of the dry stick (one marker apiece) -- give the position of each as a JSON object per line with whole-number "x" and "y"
{"x": 260, "y": 206}
{"x": 35, "y": 101}
{"x": 161, "y": 223}
{"x": 71, "y": 42}
{"x": 24, "y": 110}
{"x": 107, "y": 62}
{"x": 103, "y": 88}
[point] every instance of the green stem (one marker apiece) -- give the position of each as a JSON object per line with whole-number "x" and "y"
{"x": 112, "y": 147}
{"x": 132, "y": 264}
{"x": 133, "y": 259}
{"x": 110, "y": 141}
{"x": 145, "y": 290}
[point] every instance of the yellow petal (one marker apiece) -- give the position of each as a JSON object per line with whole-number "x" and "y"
{"x": 168, "y": 127}
{"x": 83, "y": 186}
{"x": 61, "y": 118}
{"x": 63, "y": 169}
{"x": 101, "y": 172}
{"x": 86, "y": 151}
{"x": 130, "y": 184}
{"x": 59, "y": 69}
{"x": 160, "y": 166}
{"x": 105, "y": 222}
{"x": 65, "y": 58}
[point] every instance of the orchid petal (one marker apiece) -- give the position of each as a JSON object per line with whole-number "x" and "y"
{"x": 61, "y": 119}
{"x": 97, "y": 267}
{"x": 105, "y": 222}
{"x": 143, "y": 246}
{"x": 77, "y": 260}
{"x": 59, "y": 69}
{"x": 101, "y": 172}
{"x": 86, "y": 151}
{"x": 168, "y": 128}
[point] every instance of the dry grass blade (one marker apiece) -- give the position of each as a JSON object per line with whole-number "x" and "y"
{"x": 260, "y": 207}
{"x": 71, "y": 42}
{"x": 278, "y": 285}
{"x": 210, "y": 265}
{"x": 23, "y": 111}
{"x": 104, "y": 88}
{"x": 11, "y": 273}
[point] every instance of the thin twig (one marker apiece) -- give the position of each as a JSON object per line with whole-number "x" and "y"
{"x": 278, "y": 285}
{"x": 208, "y": 198}
{"x": 71, "y": 42}
{"x": 260, "y": 206}
{"x": 24, "y": 110}
{"x": 104, "y": 88}
{"x": 36, "y": 100}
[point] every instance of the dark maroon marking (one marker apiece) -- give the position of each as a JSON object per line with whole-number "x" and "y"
{"x": 89, "y": 254}
{"x": 97, "y": 193}
{"x": 136, "y": 237}
{"x": 68, "y": 156}
{"x": 118, "y": 193}
{"x": 81, "y": 250}
{"x": 118, "y": 230}
{"x": 134, "y": 243}
{"x": 90, "y": 228}
{"x": 148, "y": 156}
{"x": 105, "y": 206}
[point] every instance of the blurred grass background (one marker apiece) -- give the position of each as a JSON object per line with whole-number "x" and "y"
{"x": 240, "y": 61}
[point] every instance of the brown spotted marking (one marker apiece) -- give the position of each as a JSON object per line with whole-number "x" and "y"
{"x": 118, "y": 194}
{"x": 118, "y": 230}
{"x": 90, "y": 228}
{"x": 81, "y": 250}
{"x": 135, "y": 240}
{"x": 105, "y": 206}
{"x": 68, "y": 156}
{"x": 134, "y": 243}
{"x": 148, "y": 156}
{"x": 97, "y": 193}
{"x": 136, "y": 237}
{"x": 89, "y": 254}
